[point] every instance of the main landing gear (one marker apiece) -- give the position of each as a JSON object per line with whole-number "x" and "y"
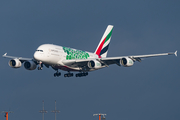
{"x": 57, "y": 74}
{"x": 82, "y": 74}
{"x": 77, "y": 75}
{"x": 68, "y": 75}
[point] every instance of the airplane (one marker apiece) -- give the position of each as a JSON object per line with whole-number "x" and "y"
{"x": 73, "y": 60}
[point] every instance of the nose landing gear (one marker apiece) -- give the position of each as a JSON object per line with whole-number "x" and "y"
{"x": 40, "y": 66}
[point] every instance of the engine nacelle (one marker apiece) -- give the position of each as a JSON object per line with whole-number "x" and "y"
{"x": 30, "y": 65}
{"x": 94, "y": 64}
{"x": 15, "y": 63}
{"x": 126, "y": 62}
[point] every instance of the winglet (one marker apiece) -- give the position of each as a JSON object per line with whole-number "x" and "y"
{"x": 5, "y": 54}
{"x": 175, "y": 53}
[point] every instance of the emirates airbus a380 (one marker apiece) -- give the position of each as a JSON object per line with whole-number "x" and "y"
{"x": 68, "y": 59}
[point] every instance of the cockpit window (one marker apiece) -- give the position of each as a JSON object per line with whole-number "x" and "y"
{"x": 40, "y": 50}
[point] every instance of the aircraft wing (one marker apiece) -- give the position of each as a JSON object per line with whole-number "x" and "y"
{"x": 111, "y": 60}
{"x": 20, "y": 58}
{"x": 115, "y": 60}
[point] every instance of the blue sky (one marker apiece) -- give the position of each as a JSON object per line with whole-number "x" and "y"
{"x": 147, "y": 90}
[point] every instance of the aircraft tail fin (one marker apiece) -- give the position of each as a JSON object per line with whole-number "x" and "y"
{"x": 103, "y": 46}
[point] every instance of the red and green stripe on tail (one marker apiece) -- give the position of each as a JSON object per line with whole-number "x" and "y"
{"x": 103, "y": 46}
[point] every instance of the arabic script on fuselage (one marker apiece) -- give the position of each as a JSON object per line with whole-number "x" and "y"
{"x": 75, "y": 54}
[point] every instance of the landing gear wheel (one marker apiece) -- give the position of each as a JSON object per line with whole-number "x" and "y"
{"x": 65, "y": 75}
{"x": 59, "y": 74}
{"x": 54, "y": 74}
{"x": 39, "y": 68}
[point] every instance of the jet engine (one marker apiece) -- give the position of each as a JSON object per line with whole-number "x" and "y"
{"x": 94, "y": 64}
{"x": 30, "y": 65}
{"x": 126, "y": 62}
{"x": 15, "y": 63}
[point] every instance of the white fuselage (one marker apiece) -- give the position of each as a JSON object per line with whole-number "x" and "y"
{"x": 53, "y": 55}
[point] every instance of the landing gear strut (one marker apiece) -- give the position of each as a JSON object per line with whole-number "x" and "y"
{"x": 81, "y": 74}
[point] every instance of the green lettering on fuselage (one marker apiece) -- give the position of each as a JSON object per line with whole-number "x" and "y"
{"x": 75, "y": 54}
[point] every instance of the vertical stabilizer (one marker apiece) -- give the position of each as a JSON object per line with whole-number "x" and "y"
{"x": 103, "y": 46}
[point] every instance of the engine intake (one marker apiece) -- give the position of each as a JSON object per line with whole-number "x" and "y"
{"x": 91, "y": 64}
{"x": 30, "y": 65}
{"x": 126, "y": 62}
{"x": 15, "y": 63}
{"x": 94, "y": 64}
